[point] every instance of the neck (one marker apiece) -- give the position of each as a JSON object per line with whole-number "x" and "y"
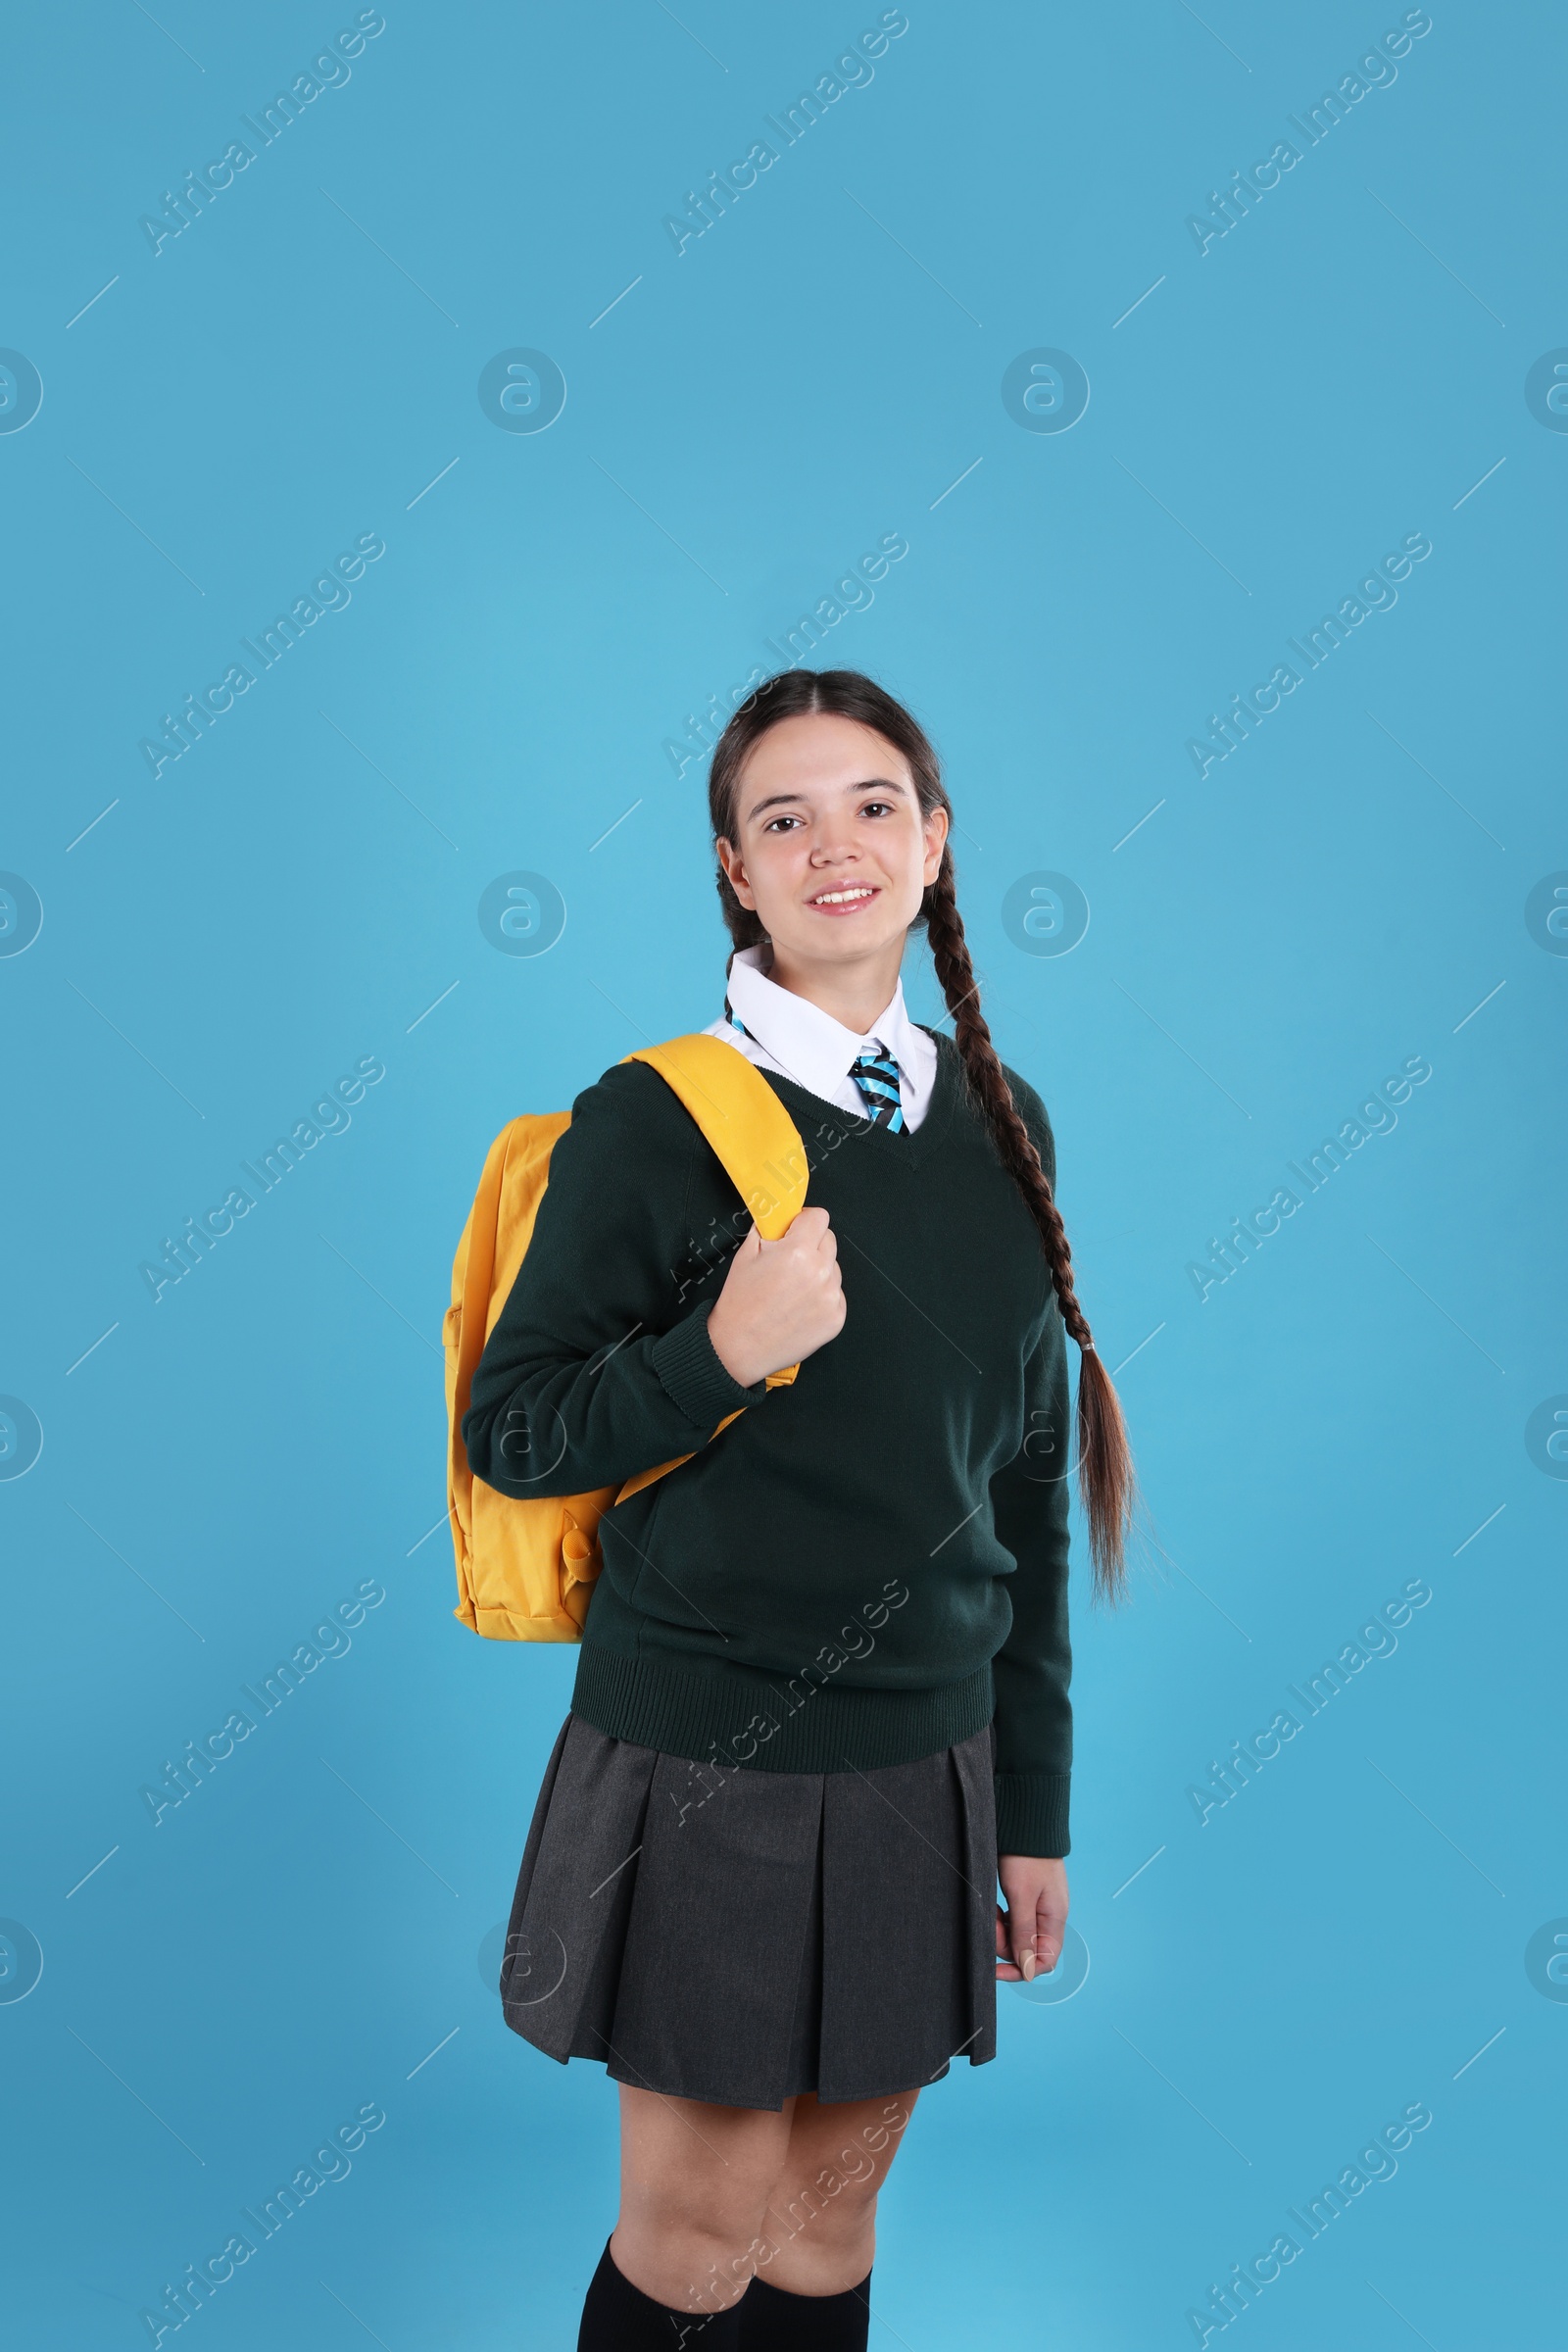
{"x": 855, "y": 995}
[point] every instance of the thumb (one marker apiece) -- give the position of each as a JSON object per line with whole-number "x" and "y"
{"x": 1023, "y": 1946}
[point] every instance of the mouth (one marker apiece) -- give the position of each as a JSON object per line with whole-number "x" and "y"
{"x": 847, "y": 897}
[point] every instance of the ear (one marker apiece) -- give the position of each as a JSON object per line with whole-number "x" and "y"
{"x": 729, "y": 858}
{"x": 935, "y": 832}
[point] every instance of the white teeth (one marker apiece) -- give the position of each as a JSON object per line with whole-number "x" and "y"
{"x": 837, "y": 898}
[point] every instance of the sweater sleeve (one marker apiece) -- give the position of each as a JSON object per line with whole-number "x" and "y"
{"x": 1032, "y": 1670}
{"x": 592, "y": 1371}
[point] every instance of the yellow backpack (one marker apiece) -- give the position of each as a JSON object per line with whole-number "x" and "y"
{"x": 525, "y": 1569}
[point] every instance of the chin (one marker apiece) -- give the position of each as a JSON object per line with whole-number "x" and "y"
{"x": 836, "y": 941}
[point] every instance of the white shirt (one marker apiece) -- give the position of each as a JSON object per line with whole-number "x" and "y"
{"x": 797, "y": 1039}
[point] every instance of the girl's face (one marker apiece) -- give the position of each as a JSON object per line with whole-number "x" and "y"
{"x": 831, "y": 849}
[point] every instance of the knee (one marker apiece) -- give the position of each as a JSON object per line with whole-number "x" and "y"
{"x": 703, "y": 2249}
{"x": 833, "y": 2205}
{"x": 703, "y": 2267}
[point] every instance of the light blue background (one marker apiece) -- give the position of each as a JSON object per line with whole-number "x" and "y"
{"x": 299, "y": 890}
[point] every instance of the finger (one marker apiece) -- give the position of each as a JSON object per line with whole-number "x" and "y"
{"x": 1050, "y": 1928}
{"x": 1014, "y": 1952}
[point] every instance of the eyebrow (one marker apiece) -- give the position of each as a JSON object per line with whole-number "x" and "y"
{"x": 781, "y": 800}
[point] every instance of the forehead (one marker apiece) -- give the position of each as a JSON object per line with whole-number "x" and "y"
{"x": 818, "y": 754}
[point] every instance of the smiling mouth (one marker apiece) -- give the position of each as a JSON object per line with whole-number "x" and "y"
{"x": 853, "y": 895}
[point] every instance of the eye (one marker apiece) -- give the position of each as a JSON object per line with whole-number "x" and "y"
{"x": 876, "y": 808}
{"x": 774, "y": 823}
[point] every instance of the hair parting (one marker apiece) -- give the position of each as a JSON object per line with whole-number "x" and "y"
{"x": 1107, "y": 1483}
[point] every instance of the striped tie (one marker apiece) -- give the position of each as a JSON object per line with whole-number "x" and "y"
{"x": 876, "y": 1075}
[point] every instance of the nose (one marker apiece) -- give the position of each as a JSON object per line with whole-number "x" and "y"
{"x": 829, "y": 850}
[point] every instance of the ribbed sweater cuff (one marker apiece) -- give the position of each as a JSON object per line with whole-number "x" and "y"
{"x": 691, "y": 1375}
{"x": 1032, "y": 1813}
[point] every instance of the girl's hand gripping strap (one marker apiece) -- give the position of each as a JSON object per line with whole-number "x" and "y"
{"x": 755, "y": 1139}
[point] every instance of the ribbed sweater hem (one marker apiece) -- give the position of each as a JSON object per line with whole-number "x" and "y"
{"x": 709, "y": 1710}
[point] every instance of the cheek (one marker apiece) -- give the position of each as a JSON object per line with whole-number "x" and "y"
{"x": 913, "y": 864}
{"x": 770, "y": 864}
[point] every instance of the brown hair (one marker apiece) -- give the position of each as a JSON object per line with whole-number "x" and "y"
{"x": 1105, "y": 1480}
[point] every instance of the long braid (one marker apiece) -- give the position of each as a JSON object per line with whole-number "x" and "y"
{"x": 1105, "y": 1469}
{"x": 1105, "y": 1478}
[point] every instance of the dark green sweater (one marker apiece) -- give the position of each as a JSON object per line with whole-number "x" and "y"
{"x": 869, "y": 1564}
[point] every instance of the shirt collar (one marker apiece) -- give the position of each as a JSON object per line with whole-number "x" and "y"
{"x": 808, "y": 1045}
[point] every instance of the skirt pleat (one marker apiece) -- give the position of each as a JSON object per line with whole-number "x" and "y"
{"x": 742, "y": 1937}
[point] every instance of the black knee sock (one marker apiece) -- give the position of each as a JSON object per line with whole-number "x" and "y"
{"x": 619, "y": 2316}
{"x": 773, "y": 2321}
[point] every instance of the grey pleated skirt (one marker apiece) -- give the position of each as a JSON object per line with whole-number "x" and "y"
{"x": 740, "y": 1937}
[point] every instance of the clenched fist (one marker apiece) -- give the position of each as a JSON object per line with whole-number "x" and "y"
{"x": 781, "y": 1301}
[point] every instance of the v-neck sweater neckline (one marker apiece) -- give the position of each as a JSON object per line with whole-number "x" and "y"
{"x": 914, "y": 1145}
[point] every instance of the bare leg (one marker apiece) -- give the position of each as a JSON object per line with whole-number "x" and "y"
{"x": 820, "y": 2225}
{"x": 695, "y": 2180}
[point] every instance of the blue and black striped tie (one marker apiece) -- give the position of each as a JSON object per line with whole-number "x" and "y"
{"x": 876, "y": 1076}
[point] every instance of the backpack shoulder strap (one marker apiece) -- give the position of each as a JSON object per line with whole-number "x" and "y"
{"x": 755, "y": 1139}
{"x": 743, "y": 1120}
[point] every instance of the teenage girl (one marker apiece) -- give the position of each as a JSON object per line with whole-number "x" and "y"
{"x": 821, "y": 1706}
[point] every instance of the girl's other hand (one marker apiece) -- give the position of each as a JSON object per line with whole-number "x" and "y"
{"x": 781, "y": 1301}
{"x": 1030, "y": 1930}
